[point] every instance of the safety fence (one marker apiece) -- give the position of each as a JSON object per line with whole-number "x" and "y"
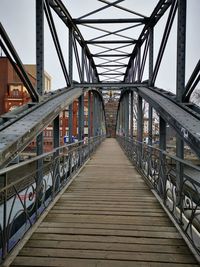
{"x": 176, "y": 182}
{"x": 27, "y": 188}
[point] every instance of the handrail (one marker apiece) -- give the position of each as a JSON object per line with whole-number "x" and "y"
{"x": 180, "y": 196}
{"x": 23, "y": 198}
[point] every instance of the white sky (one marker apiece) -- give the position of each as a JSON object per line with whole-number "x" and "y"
{"x": 18, "y": 18}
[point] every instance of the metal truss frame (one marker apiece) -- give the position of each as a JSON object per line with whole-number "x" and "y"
{"x": 112, "y": 67}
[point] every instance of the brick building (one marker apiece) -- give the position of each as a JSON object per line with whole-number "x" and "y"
{"x": 12, "y": 91}
{"x": 13, "y": 94}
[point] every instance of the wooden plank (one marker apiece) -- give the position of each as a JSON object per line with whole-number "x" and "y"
{"x": 108, "y": 226}
{"x": 64, "y": 262}
{"x": 112, "y": 255}
{"x": 104, "y": 220}
{"x": 107, "y": 246}
{"x": 62, "y": 207}
{"x": 109, "y": 239}
{"x": 108, "y": 232}
{"x": 99, "y": 212}
{"x": 108, "y": 217}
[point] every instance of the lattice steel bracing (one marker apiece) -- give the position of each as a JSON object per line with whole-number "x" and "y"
{"x": 112, "y": 55}
{"x": 106, "y": 52}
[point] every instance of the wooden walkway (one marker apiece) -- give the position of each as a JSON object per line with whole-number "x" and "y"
{"x": 107, "y": 217}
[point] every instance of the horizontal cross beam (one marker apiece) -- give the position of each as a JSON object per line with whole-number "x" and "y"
{"x": 112, "y": 42}
{"x": 112, "y": 55}
{"x": 106, "y": 21}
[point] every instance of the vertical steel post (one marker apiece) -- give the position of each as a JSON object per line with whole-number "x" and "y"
{"x": 126, "y": 100}
{"x": 89, "y": 114}
{"x": 139, "y": 129}
{"x": 70, "y": 56}
{"x": 94, "y": 114}
{"x": 81, "y": 117}
{"x": 70, "y": 122}
{"x": 120, "y": 118}
{"x": 40, "y": 46}
{"x": 90, "y": 72}
{"x": 56, "y": 132}
{"x": 117, "y": 124}
{"x": 122, "y": 102}
{"x": 151, "y": 53}
{"x": 181, "y": 44}
{"x": 56, "y": 143}
{"x": 180, "y": 85}
{"x": 40, "y": 86}
{"x": 140, "y": 120}
{"x": 82, "y": 64}
{"x": 162, "y": 136}
{"x": 162, "y": 146}
{"x": 89, "y": 119}
{"x": 97, "y": 114}
{"x": 150, "y": 125}
{"x": 150, "y": 130}
{"x": 150, "y": 111}
{"x": 131, "y": 116}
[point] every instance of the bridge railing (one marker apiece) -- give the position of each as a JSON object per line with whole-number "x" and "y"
{"x": 26, "y": 190}
{"x": 180, "y": 194}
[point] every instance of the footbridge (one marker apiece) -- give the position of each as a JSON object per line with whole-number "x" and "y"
{"x": 125, "y": 190}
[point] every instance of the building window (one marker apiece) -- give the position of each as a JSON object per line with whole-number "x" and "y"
{"x": 15, "y": 92}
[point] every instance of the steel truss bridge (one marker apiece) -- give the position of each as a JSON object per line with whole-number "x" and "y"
{"x": 119, "y": 66}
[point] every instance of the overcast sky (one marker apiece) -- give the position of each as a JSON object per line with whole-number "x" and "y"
{"x": 18, "y": 18}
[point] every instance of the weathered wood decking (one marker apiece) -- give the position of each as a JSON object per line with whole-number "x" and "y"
{"x": 107, "y": 217}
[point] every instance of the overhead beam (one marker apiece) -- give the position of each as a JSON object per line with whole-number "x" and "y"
{"x": 112, "y": 42}
{"x": 111, "y": 65}
{"x": 106, "y": 21}
{"x": 118, "y": 85}
{"x": 112, "y": 55}
{"x": 111, "y": 74}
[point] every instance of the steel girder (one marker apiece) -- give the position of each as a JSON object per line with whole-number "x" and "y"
{"x": 64, "y": 15}
{"x": 158, "y": 12}
{"x": 184, "y": 121}
{"x": 17, "y": 135}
